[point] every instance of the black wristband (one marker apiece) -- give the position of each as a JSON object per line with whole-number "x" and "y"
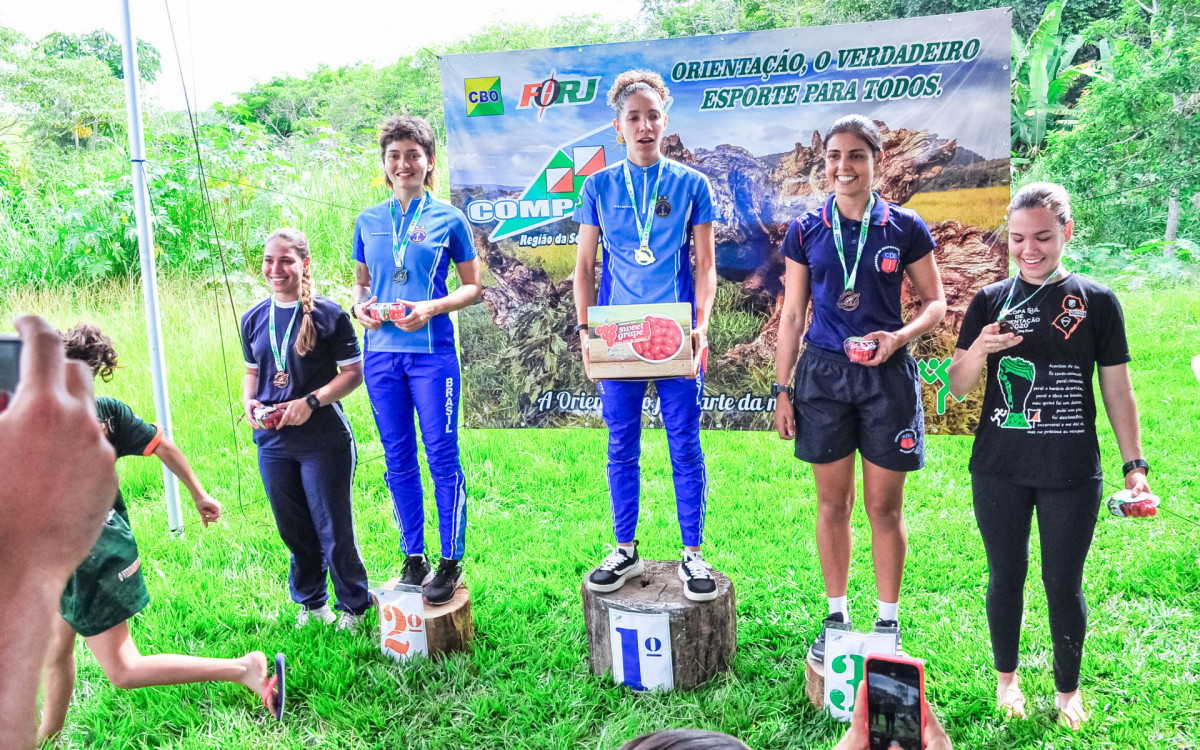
{"x": 777, "y": 389}
{"x": 1137, "y": 463}
{"x": 580, "y": 327}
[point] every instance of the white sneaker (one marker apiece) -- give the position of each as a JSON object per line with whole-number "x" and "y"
{"x": 322, "y": 614}
{"x": 347, "y": 621}
{"x": 698, "y": 583}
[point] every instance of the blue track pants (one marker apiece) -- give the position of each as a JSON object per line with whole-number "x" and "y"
{"x": 621, "y": 403}
{"x": 399, "y": 383}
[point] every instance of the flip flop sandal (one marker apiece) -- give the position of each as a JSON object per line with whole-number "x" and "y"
{"x": 277, "y": 689}
{"x": 1016, "y": 708}
{"x": 1071, "y": 719}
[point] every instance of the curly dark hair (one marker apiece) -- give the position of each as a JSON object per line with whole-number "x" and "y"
{"x": 87, "y": 343}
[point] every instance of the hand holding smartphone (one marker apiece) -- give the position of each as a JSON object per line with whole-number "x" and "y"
{"x": 895, "y": 695}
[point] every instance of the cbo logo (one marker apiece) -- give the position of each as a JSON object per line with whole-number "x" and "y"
{"x": 483, "y": 97}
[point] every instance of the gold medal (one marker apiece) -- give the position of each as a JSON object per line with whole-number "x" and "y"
{"x": 281, "y": 379}
{"x": 644, "y": 256}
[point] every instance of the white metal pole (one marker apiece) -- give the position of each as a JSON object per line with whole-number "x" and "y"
{"x": 137, "y": 158}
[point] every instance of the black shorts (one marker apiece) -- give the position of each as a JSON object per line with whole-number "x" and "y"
{"x": 842, "y": 406}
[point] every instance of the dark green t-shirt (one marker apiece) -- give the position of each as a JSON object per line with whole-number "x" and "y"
{"x": 107, "y": 588}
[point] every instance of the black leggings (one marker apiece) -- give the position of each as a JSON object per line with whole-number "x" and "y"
{"x": 1066, "y": 521}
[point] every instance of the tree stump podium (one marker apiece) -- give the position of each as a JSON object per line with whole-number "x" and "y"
{"x": 814, "y": 683}
{"x": 446, "y": 627}
{"x": 703, "y": 635}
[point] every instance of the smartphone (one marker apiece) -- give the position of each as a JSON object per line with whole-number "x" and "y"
{"x": 10, "y": 366}
{"x": 895, "y": 694}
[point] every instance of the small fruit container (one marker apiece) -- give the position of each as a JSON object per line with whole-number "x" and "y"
{"x": 859, "y": 349}
{"x": 640, "y": 342}
{"x": 268, "y": 417}
{"x": 1125, "y": 504}
{"x": 1006, "y": 326}
{"x": 385, "y": 311}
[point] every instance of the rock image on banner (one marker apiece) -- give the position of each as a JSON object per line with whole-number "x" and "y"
{"x": 525, "y": 130}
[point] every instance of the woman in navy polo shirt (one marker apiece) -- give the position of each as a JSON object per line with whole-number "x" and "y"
{"x": 403, "y": 248}
{"x": 648, "y": 211}
{"x": 302, "y": 356}
{"x": 849, "y": 257}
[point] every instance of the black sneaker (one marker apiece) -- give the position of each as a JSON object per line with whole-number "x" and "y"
{"x": 890, "y": 627}
{"x": 416, "y": 571}
{"x": 698, "y": 583}
{"x": 836, "y": 621}
{"x": 445, "y": 582}
{"x": 612, "y": 573}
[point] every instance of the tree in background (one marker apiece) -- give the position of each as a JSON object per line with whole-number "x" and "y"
{"x": 104, "y": 47}
{"x": 1132, "y": 156}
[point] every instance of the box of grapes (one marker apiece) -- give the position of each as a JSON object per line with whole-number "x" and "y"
{"x": 640, "y": 342}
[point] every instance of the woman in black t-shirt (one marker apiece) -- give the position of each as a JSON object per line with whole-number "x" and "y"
{"x": 1040, "y": 336}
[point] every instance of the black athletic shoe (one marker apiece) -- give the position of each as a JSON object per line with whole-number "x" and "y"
{"x": 416, "y": 571}
{"x": 836, "y": 621}
{"x": 698, "y": 583}
{"x": 445, "y": 582}
{"x": 617, "y": 567}
{"x": 890, "y": 627}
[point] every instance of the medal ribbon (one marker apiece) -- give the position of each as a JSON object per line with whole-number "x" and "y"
{"x": 849, "y": 277}
{"x": 643, "y": 230}
{"x": 277, "y": 350}
{"x": 1009, "y": 307}
{"x": 400, "y": 248}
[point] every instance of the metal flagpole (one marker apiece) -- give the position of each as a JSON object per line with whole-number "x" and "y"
{"x": 137, "y": 158}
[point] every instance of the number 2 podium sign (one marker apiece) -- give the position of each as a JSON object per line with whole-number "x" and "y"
{"x": 402, "y": 632}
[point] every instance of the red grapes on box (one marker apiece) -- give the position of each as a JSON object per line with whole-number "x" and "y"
{"x": 666, "y": 339}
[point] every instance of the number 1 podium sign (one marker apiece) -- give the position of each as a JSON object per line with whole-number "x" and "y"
{"x": 641, "y": 649}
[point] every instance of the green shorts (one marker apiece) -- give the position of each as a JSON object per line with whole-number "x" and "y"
{"x": 107, "y": 588}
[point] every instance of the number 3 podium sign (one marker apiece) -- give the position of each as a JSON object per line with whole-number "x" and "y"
{"x": 845, "y": 654}
{"x": 641, "y": 649}
{"x": 401, "y": 623}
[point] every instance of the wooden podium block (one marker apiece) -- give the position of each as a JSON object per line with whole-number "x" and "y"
{"x": 702, "y": 635}
{"x": 814, "y": 683}
{"x": 432, "y": 631}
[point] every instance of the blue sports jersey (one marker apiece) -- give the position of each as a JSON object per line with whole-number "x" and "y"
{"x": 442, "y": 236}
{"x": 897, "y": 237}
{"x": 337, "y": 346}
{"x": 684, "y": 200}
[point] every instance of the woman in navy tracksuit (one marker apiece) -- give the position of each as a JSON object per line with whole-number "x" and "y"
{"x": 403, "y": 248}
{"x": 302, "y": 356}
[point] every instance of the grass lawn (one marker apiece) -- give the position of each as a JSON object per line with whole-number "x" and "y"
{"x": 539, "y": 519}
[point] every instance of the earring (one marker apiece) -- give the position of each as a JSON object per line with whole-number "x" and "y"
{"x": 620, "y": 139}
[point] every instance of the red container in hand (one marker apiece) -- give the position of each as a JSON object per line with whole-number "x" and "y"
{"x": 385, "y": 311}
{"x": 859, "y": 349}
{"x": 268, "y": 417}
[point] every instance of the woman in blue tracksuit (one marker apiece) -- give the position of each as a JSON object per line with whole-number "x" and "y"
{"x": 403, "y": 248}
{"x": 649, "y": 212}
{"x": 302, "y": 356}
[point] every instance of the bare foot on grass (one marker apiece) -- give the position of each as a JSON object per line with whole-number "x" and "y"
{"x": 1009, "y": 698}
{"x": 1071, "y": 713}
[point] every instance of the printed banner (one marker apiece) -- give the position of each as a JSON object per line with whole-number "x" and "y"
{"x": 525, "y": 129}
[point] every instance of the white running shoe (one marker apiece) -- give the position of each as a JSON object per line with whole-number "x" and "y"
{"x": 322, "y": 614}
{"x": 347, "y": 621}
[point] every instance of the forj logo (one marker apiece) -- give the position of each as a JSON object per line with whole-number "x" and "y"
{"x": 483, "y": 97}
{"x": 555, "y": 91}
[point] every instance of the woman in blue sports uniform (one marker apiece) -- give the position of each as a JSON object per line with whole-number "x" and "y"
{"x": 1039, "y": 337}
{"x": 649, "y": 213}
{"x": 403, "y": 248}
{"x": 850, "y": 257}
{"x": 302, "y": 356}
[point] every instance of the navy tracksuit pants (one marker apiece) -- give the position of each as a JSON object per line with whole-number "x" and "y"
{"x": 400, "y": 383}
{"x": 309, "y": 483}
{"x": 621, "y": 405}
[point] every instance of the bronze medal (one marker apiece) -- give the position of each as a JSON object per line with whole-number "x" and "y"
{"x": 281, "y": 379}
{"x": 1007, "y": 327}
{"x": 400, "y": 276}
{"x": 848, "y": 300}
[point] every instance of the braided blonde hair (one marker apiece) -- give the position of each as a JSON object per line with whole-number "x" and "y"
{"x": 306, "y": 340}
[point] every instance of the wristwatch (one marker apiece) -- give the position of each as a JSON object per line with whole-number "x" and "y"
{"x": 777, "y": 389}
{"x": 313, "y": 402}
{"x": 1137, "y": 463}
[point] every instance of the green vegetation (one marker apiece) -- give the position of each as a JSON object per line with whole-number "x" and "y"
{"x": 540, "y": 519}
